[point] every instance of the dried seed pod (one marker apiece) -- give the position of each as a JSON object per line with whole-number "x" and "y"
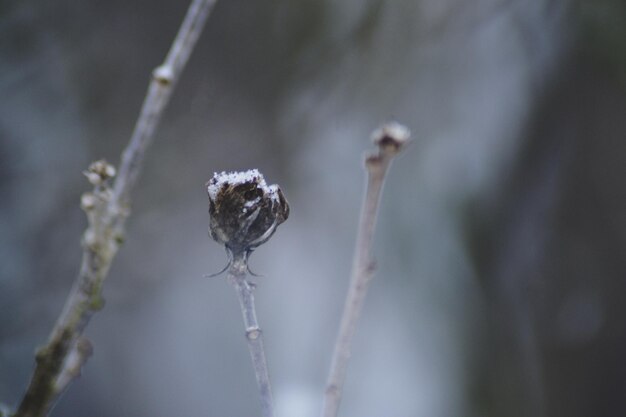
{"x": 244, "y": 211}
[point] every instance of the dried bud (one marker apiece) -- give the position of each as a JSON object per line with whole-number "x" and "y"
{"x": 88, "y": 201}
{"x": 391, "y": 137}
{"x": 164, "y": 75}
{"x": 99, "y": 172}
{"x": 244, "y": 211}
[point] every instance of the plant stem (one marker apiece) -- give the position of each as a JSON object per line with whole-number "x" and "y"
{"x": 107, "y": 210}
{"x": 390, "y": 139}
{"x": 74, "y": 362}
{"x": 237, "y": 277}
{"x": 164, "y": 79}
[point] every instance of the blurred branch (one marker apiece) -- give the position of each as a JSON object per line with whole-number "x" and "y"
{"x": 390, "y": 139}
{"x": 237, "y": 277}
{"x": 164, "y": 79}
{"x": 74, "y": 362}
{"x": 5, "y": 411}
{"x": 107, "y": 208}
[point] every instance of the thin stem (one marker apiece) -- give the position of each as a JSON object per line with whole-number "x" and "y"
{"x": 390, "y": 139}
{"x": 74, "y": 362}
{"x": 60, "y": 360}
{"x": 164, "y": 79}
{"x": 254, "y": 336}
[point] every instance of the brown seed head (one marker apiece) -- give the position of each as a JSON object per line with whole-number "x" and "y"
{"x": 244, "y": 211}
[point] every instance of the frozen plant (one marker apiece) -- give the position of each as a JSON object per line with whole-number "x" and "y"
{"x": 244, "y": 213}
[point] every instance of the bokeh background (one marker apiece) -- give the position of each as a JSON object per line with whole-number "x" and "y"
{"x": 501, "y": 243}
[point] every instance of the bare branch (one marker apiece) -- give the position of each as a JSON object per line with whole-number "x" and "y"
{"x": 237, "y": 277}
{"x": 107, "y": 209}
{"x": 390, "y": 139}
{"x": 74, "y": 362}
{"x": 164, "y": 79}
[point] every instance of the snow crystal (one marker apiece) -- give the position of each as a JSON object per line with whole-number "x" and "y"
{"x": 240, "y": 177}
{"x": 273, "y": 192}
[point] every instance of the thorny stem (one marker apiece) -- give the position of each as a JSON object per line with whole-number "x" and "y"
{"x": 237, "y": 277}
{"x": 390, "y": 139}
{"x": 60, "y": 360}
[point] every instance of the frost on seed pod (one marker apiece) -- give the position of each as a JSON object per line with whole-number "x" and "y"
{"x": 244, "y": 211}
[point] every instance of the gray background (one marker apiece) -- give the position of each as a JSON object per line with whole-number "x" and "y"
{"x": 500, "y": 247}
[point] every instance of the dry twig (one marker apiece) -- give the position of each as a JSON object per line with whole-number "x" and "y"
{"x": 390, "y": 139}
{"x": 254, "y": 336}
{"x": 107, "y": 208}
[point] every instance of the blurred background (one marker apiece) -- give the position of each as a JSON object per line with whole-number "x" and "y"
{"x": 501, "y": 241}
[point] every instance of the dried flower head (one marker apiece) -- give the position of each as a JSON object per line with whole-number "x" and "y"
{"x": 244, "y": 211}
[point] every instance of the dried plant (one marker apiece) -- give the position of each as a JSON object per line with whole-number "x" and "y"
{"x": 390, "y": 139}
{"x": 244, "y": 213}
{"x": 107, "y": 208}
